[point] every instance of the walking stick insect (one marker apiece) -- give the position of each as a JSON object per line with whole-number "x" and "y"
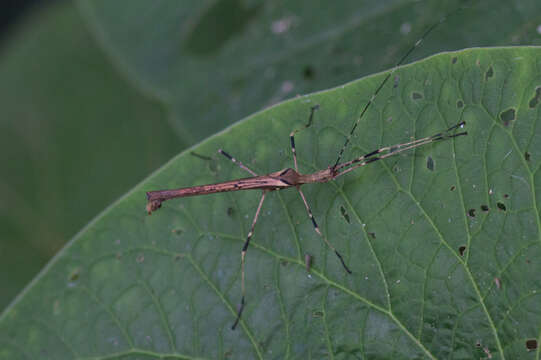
{"x": 289, "y": 177}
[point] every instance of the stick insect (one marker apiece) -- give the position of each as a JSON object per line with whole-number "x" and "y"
{"x": 289, "y": 177}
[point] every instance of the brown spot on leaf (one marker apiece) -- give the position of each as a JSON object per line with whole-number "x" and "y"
{"x": 531, "y": 344}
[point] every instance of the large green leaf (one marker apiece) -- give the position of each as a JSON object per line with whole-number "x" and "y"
{"x": 98, "y": 93}
{"x": 444, "y": 241}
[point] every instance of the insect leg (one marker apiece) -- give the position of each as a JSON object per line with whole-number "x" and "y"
{"x": 243, "y": 255}
{"x": 316, "y": 228}
{"x": 397, "y": 149}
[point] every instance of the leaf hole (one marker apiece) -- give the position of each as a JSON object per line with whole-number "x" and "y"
{"x": 527, "y": 156}
{"x": 430, "y": 163}
{"x": 396, "y": 81}
{"x": 507, "y": 116}
{"x": 452, "y": 188}
{"x": 178, "y": 256}
{"x": 308, "y": 72}
{"x": 230, "y": 211}
{"x": 536, "y": 98}
{"x": 471, "y": 213}
{"x": 489, "y": 73}
{"x": 453, "y": 60}
{"x": 484, "y": 208}
{"x": 462, "y": 250}
{"x": 460, "y": 104}
{"x": 177, "y": 231}
{"x": 74, "y": 276}
{"x": 416, "y": 95}
{"x": 501, "y": 206}
{"x": 506, "y": 196}
{"x": 372, "y": 235}
{"x": 140, "y": 258}
{"x": 344, "y": 214}
{"x": 531, "y": 344}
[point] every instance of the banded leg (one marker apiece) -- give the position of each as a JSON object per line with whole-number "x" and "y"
{"x": 292, "y": 134}
{"x": 239, "y": 163}
{"x": 316, "y": 227}
{"x": 243, "y": 255}
{"x": 397, "y": 149}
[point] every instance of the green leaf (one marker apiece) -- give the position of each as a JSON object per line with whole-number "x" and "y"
{"x": 75, "y": 136}
{"x": 97, "y": 94}
{"x": 443, "y": 241}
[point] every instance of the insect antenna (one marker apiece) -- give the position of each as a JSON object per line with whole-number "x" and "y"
{"x": 389, "y": 74}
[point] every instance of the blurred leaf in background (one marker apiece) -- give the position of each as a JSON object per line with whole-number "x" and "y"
{"x": 95, "y": 95}
{"x": 75, "y": 135}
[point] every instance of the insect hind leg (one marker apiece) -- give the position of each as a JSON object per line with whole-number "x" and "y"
{"x": 243, "y": 256}
{"x": 316, "y": 228}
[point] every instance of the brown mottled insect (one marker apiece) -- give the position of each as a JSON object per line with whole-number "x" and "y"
{"x": 288, "y": 178}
